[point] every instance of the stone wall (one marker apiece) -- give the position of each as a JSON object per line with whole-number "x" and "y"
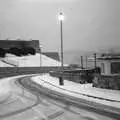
{"x": 74, "y": 76}
{"x": 11, "y": 71}
{"x": 107, "y": 81}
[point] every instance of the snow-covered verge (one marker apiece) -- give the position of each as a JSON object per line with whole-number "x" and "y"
{"x": 3, "y": 64}
{"x": 84, "y": 91}
{"x": 4, "y": 88}
{"x": 5, "y": 85}
{"x": 28, "y": 61}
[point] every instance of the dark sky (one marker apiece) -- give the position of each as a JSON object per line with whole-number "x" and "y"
{"x": 89, "y": 24}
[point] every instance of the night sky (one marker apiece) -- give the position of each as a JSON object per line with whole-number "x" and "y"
{"x": 89, "y": 24}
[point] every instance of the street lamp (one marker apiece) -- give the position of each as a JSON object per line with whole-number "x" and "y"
{"x": 40, "y": 50}
{"x": 61, "y": 18}
{"x": 40, "y": 56}
{"x": 95, "y": 63}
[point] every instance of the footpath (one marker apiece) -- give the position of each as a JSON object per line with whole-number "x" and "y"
{"x": 85, "y": 91}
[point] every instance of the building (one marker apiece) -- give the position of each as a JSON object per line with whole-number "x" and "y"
{"x": 109, "y": 64}
{"x": 110, "y": 72}
{"x": 7, "y": 44}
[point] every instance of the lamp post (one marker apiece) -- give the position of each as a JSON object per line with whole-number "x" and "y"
{"x": 40, "y": 50}
{"x": 81, "y": 62}
{"x": 40, "y": 56}
{"x": 61, "y": 18}
{"x": 95, "y": 63}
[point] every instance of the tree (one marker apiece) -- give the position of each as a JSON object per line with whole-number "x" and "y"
{"x": 31, "y": 50}
{"x": 24, "y": 51}
{"x": 2, "y": 52}
{"x": 15, "y": 51}
{"x": 28, "y": 50}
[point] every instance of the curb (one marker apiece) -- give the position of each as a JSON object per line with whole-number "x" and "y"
{"x": 80, "y": 93}
{"x": 81, "y": 103}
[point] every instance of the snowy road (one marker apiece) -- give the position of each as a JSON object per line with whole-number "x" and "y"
{"x": 76, "y": 109}
{"x": 35, "y": 103}
{"x": 17, "y": 103}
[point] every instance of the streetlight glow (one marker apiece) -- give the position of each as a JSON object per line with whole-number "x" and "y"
{"x": 61, "y": 17}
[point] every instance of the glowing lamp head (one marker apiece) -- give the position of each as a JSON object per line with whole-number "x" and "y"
{"x": 61, "y": 17}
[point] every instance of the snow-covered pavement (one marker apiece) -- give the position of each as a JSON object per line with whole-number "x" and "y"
{"x": 84, "y": 91}
{"x": 17, "y": 103}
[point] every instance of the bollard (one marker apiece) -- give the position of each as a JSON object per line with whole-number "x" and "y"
{"x": 61, "y": 80}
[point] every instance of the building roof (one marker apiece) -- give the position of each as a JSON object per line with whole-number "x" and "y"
{"x": 54, "y": 55}
{"x": 108, "y": 58}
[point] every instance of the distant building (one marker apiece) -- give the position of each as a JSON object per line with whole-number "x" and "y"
{"x": 109, "y": 64}
{"x": 7, "y": 44}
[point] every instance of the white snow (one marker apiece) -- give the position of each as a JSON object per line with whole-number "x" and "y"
{"x": 2, "y": 64}
{"x": 70, "y": 88}
{"x": 25, "y": 61}
{"x": 28, "y": 61}
{"x": 6, "y": 88}
{"x": 75, "y": 89}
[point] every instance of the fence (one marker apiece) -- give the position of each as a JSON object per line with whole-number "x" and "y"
{"x": 79, "y": 76}
{"x": 11, "y": 71}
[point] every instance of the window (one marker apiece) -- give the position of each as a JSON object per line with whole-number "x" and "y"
{"x": 102, "y": 67}
{"x": 115, "y": 67}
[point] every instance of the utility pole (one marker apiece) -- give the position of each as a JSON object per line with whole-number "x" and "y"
{"x": 95, "y": 63}
{"x": 40, "y": 50}
{"x": 81, "y": 62}
{"x": 86, "y": 61}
